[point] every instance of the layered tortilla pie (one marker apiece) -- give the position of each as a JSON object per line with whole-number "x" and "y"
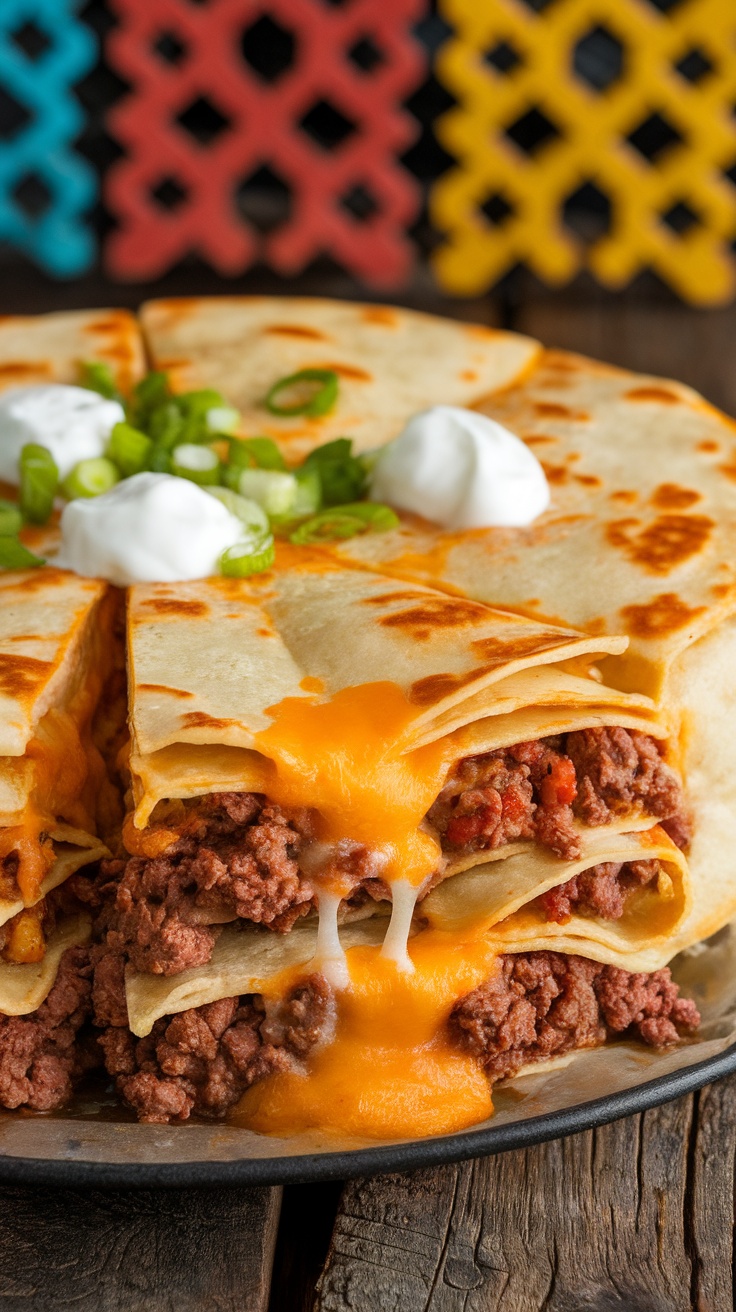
{"x": 414, "y": 813}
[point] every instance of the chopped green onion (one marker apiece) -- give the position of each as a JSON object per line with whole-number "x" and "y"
{"x": 243, "y": 558}
{"x": 338, "y": 449}
{"x": 222, "y": 419}
{"x": 159, "y": 461}
{"x": 97, "y": 377}
{"x": 248, "y": 512}
{"x": 148, "y": 395}
{"x": 345, "y": 522}
{"x": 260, "y": 451}
{"x": 273, "y": 490}
{"x": 11, "y": 520}
{"x": 129, "y": 449}
{"x": 39, "y": 479}
{"x": 13, "y": 555}
{"x": 308, "y": 492}
{"x": 328, "y": 526}
{"x": 198, "y": 403}
{"x": 197, "y": 463}
{"x": 343, "y": 476}
{"x": 166, "y": 424}
{"x": 90, "y": 478}
{"x": 316, "y": 391}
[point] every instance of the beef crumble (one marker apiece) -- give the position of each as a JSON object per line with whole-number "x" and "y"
{"x": 601, "y": 891}
{"x": 39, "y": 1055}
{"x": 204, "y": 1059}
{"x": 542, "y": 1004}
{"x": 538, "y": 790}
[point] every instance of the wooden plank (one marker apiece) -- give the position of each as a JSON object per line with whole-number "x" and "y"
{"x": 694, "y": 346}
{"x": 148, "y": 1250}
{"x": 711, "y": 1198}
{"x": 594, "y": 1221}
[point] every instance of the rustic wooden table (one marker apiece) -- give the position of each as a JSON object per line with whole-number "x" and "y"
{"x": 635, "y": 1217}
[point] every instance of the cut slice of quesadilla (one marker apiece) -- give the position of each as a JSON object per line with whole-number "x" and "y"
{"x": 55, "y": 797}
{"x": 390, "y": 362}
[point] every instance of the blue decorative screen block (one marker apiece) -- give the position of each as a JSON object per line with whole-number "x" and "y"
{"x": 46, "y": 188}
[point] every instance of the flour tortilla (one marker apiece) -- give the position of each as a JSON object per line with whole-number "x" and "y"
{"x": 49, "y": 348}
{"x": 24, "y": 987}
{"x": 390, "y": 362}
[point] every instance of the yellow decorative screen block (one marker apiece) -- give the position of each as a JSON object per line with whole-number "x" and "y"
{"x": 613, "y": 117}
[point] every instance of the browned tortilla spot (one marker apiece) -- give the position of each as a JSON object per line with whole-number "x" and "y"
{"x": 729, "y": 470}
{"x": 433, "y": 688}
{"x": 708, "y": 447}
{"x": 346, "y": 371}
{"x": 626, "y": 496}
{"x": 652, "y": 394}
{"x": 162, "y": 687}
{"x": 588, "y": 480}
{"x": 556, "y": 474}
{"x": 665, "y": 613}
{"x": 294, "y": 330}
{"x": 435, "y": 613}
{"x": 661, "y": 546}
{"x": 499, "y": 650}
{"x": 468, "y": 375}
{"x": 553, "y": 409}
{"x": 21, "y": 675}
{"x": 20, "y": 369}
{"x": 200, "y": 720}
{"x": 668, "y": 496}
{"x": 111, "y": 324}
{"x": 379, "y": 314}
{"x": 178, "y": 606}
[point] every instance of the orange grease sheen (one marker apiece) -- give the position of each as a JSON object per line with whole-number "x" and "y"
{"x": 327, "y": 753}
{"x": 390, "y": 1072}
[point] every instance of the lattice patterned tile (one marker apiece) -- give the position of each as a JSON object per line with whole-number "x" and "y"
{"x": 263, "y": 133}
{"x": 45, "y": 187}
{"x": 589, "y": 133}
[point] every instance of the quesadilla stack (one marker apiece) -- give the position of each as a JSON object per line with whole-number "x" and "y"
{"x": 406, "y": 815}
{"x": 333, "y": 771}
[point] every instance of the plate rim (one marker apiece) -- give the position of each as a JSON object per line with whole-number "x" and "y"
{"x": 313, "y": 1168}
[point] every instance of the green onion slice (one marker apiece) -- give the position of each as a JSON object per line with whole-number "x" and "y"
{"x": 222, "y": 419}
{"x": 197, "y": 463}
{"x": 248, "y": 512}
{"x": 159, "y": 460}
{"x": 90, "y": 478}
{"x": 243, "y": 558}
{"x": 39, "y": 479}
{"x": 315, "y": 389}
{"x": 272, "y": 489}
{"x": 260, "y": 451}
{"x": 11, "y": 519}
{"x": 343, "y": 476}
{"x": 129, "y": 449}
{"x": 345, "y": 522}
{"x": 13, "y": 555}
{"x": 150, "y": 393}
{"x": 98, "y": 377}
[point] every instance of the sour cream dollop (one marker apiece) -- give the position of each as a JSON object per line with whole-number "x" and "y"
{"x": 151, "y": 528}
{"x": 72, "y": 422}
{"x": 462, "y": 470}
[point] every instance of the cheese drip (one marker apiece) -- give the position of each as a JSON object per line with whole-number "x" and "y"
{"x": 391, "y": 1071}
{"x": 395, "y": 944}
{"x": 329, "y": 956}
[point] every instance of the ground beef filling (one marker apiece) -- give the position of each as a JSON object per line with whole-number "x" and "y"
{"x": 539, "y": 789}
{"x": 204, "y": 1059}
{"x": 236, "y": 857}
{"x": 39, "y": 1055}
{"x": 601, "y": 891}
{"x": 543, "y": 1004}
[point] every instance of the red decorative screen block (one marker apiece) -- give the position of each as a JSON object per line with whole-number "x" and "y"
{"x": 279, "y": 143}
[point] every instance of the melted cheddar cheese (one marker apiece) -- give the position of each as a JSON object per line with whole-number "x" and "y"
{"x": 390, "y": 1071}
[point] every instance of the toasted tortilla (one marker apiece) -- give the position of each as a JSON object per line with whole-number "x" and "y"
{"x": 49, "y": 348}
{"x": 390, "y": 362}
{"x": 24, "y": 988}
